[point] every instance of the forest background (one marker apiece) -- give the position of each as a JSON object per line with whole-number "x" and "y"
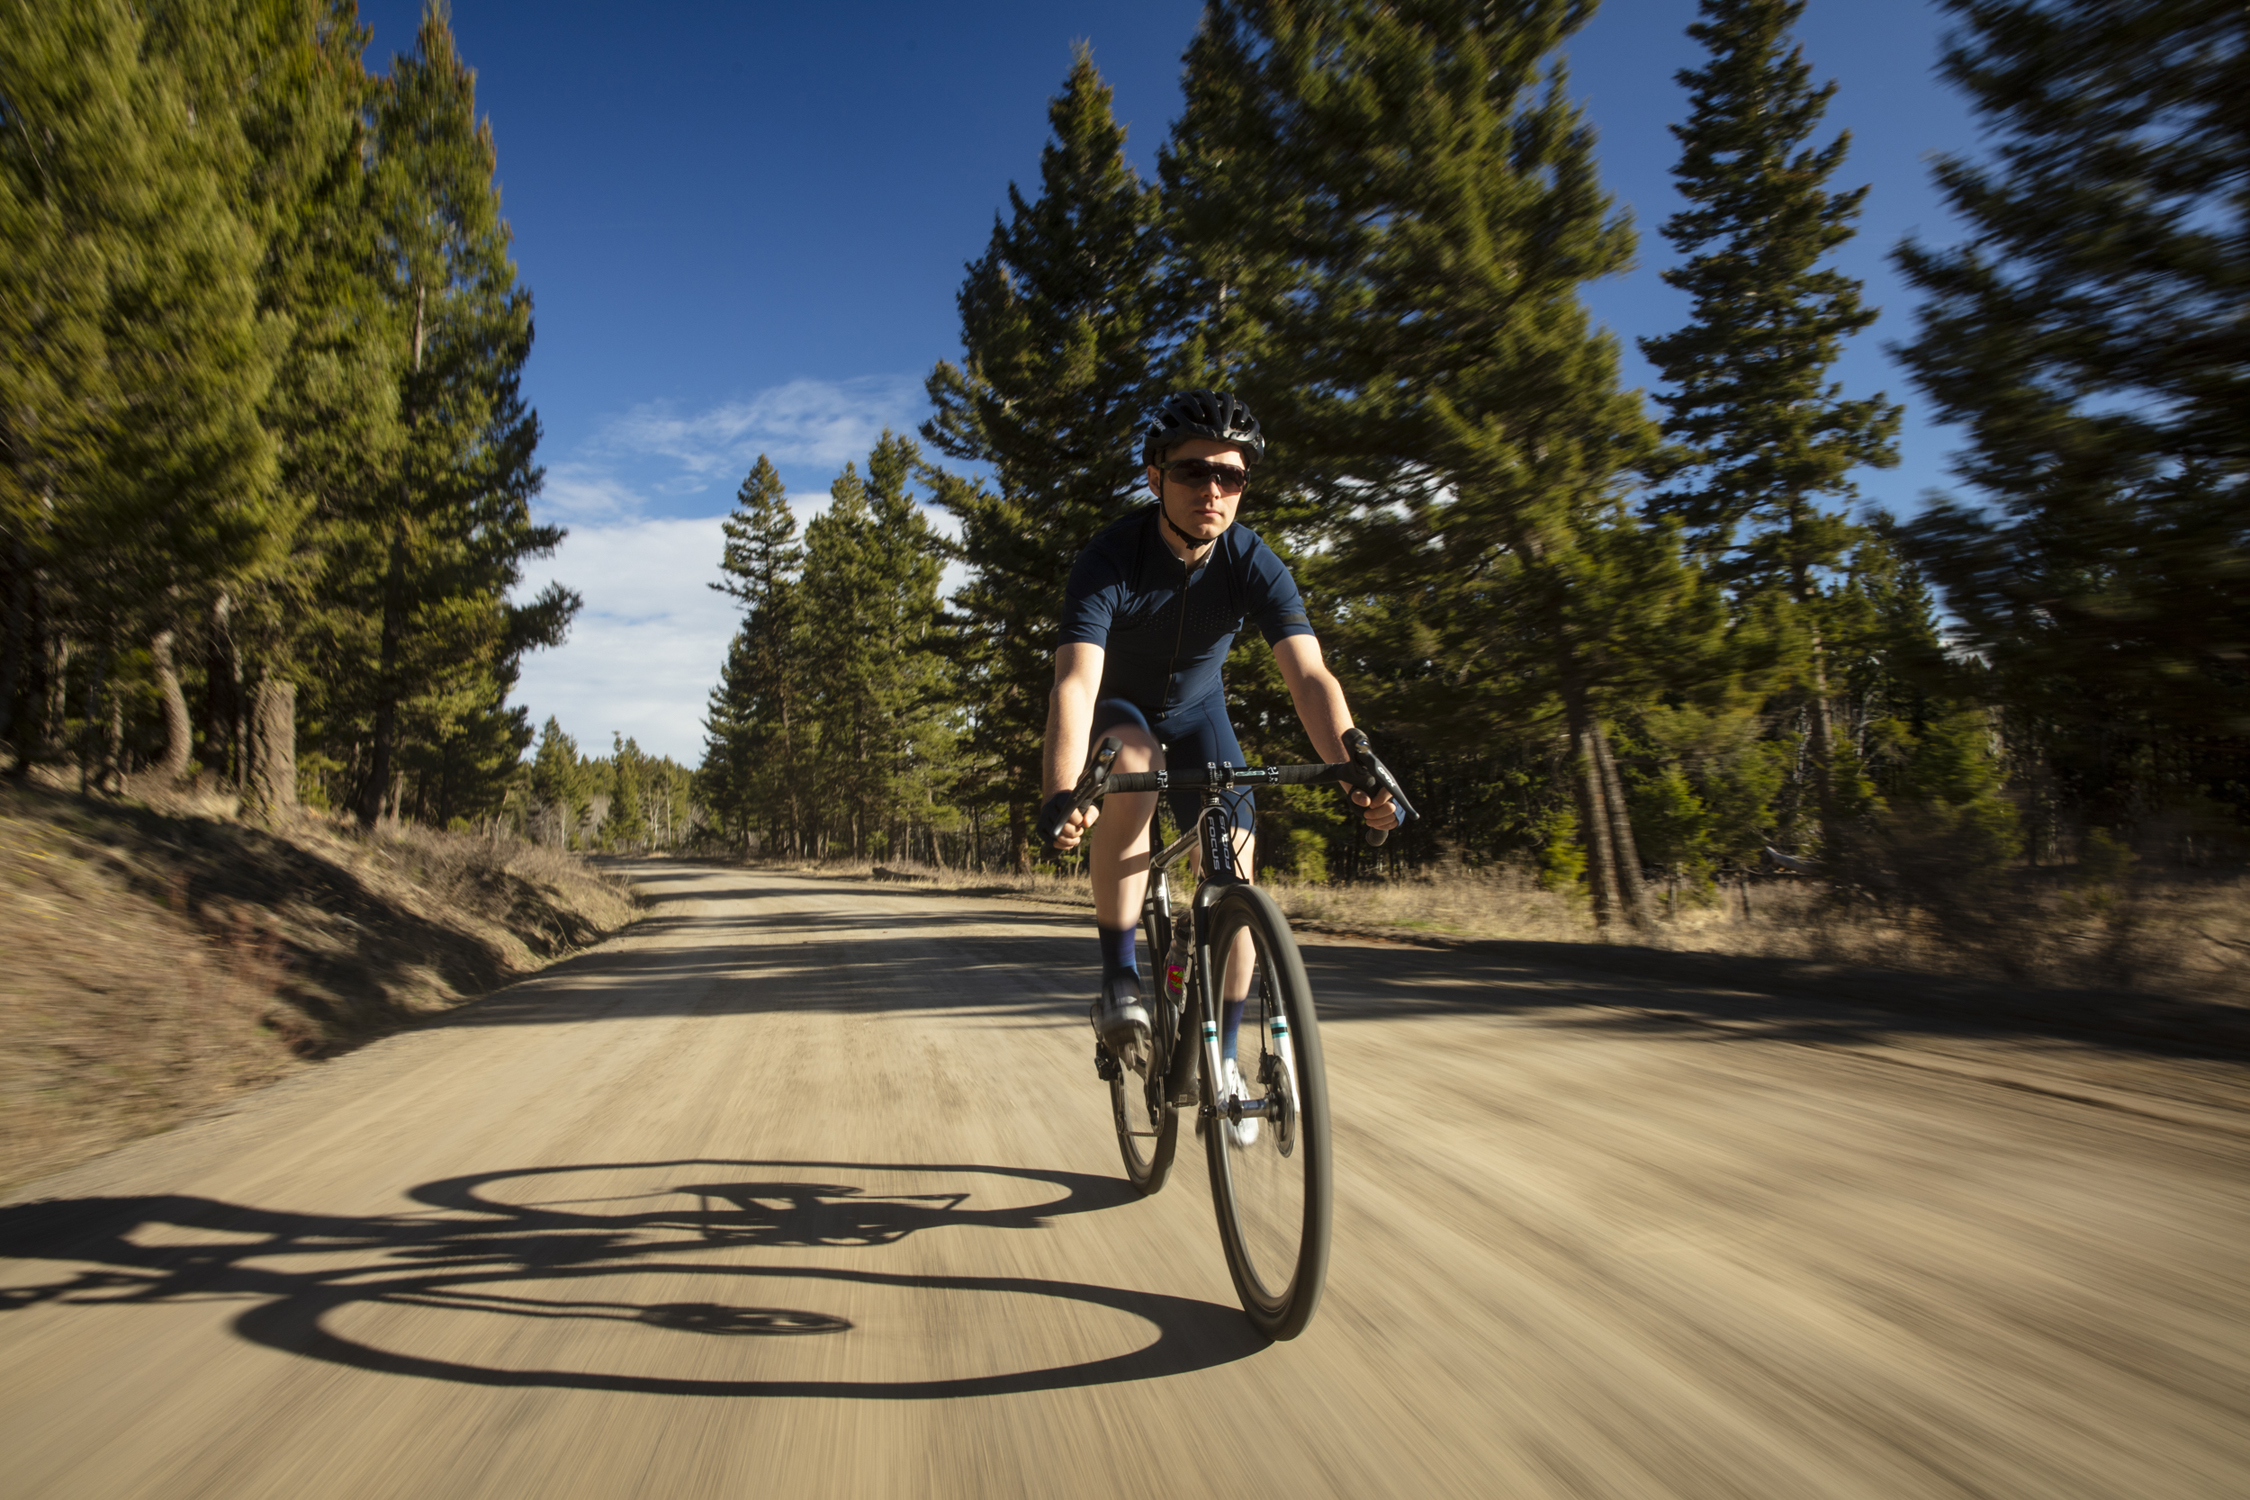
{"x": 270, "y": 466}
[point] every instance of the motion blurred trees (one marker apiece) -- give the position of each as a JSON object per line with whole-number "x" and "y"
{"x": 141, "y": 477}
{"x": 232, "y": 259}
{"x": 2089, "y": 337}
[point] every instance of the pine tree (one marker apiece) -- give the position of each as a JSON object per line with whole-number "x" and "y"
{"x": 1760, "y": 432}
{"x": 733, "y": 732}
{"x": 154, "y": 475}
{"x": 752, "y": 762}
{"x": 71, "y": 140}
{"x": 2088, "y": 336}
{"x": 877, "y": 696}
{"x": 1056, "y": 322}
{"x": 1388, "y": 217}
{"x": 290, "y": 76}
{"x": 625, "y": 828}
{"x": 444, "y": 539}
{"x": 914, "y": 696}
{"x": 557, "y": 785}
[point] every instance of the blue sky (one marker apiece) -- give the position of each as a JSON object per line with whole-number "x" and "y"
{"x": 743, "y": 226}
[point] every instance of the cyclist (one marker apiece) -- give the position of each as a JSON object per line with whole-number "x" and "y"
{"x": 1153, "y": 605}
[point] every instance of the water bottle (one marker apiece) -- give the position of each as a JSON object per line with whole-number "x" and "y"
{"x": 1177, "y": 961}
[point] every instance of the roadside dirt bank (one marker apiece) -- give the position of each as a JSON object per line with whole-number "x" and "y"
{"x": 158, "y": 962}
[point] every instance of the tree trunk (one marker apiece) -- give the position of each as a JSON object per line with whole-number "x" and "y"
{"x": 113, "y": 744}
{"x": 1819, "y": 736}
{"x": 58, "y": 693}
{"x": 1821, "y": 745}
{"x": 1631, "y": 889}
{"x": 379, "y": 774}
{"x": 1594, "y": 827}
{"x": 18, "y": 650}
{"x": 226, "y": 705}
{"x": 177, "y": 731}
{"x": 90, "y": 769}
{"x": 271, "y": 778}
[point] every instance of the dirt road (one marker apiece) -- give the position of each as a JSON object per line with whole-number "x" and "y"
{"x": 807, "y": 1188}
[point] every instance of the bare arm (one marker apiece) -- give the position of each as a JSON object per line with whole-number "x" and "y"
{"x": 1319, "y": 698}
{"x": 1070, "y": 720}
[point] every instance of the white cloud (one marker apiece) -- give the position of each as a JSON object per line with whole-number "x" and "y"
{"x": 576, "y": 493}
{"x": 647, "y": 647}
{"x": 804, "y": 422}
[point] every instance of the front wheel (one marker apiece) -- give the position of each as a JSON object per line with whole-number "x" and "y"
{"x": 1271, "y": 1175}
{"x": 1148, "y": 1126}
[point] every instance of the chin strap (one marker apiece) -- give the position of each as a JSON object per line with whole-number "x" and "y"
{"x": 1197, "y": 542}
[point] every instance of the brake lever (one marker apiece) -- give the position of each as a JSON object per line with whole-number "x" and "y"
{"x": 1363, "y": 755}
{"x": 1093, "y": 783}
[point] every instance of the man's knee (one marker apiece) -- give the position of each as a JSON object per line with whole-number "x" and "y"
{"x": 1137, "y": 748}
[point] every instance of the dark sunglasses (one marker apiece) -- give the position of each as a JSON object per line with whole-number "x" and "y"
{"x": 1195, "y": 473}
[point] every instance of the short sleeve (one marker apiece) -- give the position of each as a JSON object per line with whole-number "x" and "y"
{"x": 1090, "y": 599}
{"x": 1274, "y": 601}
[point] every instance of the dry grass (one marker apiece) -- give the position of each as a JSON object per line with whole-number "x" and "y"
{"x": 160, "y": 958}
{"x": 2169, "y": 937}
{"x": 2189, "y": 940}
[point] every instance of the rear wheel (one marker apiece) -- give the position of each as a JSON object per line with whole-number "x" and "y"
{"x": 1271, "y": 1176}
{"x": 1148, "y": 1127}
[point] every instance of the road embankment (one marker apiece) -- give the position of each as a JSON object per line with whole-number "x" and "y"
{"x": 159, "y": 962}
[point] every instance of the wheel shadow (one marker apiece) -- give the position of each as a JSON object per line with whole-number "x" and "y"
{"x": 471, "y": 1247}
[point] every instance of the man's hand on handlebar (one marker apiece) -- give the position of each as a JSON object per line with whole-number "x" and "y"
{"x": 1061, "y": 825}
{"x": 1379, "y": 811}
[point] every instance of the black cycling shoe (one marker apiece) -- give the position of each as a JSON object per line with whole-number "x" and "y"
{"x": 1121, "y": 1020}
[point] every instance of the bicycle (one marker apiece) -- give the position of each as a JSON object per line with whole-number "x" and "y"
{"x": 1271, "y": 1183}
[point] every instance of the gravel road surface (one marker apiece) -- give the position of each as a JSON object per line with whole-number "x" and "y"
{"x": 806, "y": 1187}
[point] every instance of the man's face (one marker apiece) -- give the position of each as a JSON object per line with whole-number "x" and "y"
{"x": 1202, "y": 510}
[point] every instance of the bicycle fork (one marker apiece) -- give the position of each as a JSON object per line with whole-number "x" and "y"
{"x": 1279, "y": 1106}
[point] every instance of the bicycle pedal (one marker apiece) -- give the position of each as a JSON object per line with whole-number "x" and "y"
{"x": 1105, "y": 1066}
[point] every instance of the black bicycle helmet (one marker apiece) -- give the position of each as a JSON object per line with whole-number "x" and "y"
{"x": 1202, "y": 414}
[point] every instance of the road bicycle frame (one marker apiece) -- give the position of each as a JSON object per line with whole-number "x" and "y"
{"x": 1207, "y": 971}
{"x": 1202, "y": 1001}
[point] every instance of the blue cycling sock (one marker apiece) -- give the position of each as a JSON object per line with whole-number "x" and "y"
{"x": 1231, "y": 1031}
{"x": 1117, "y": 950}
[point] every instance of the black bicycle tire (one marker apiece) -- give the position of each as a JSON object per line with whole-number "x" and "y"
{"x": 1128, "y": 1091}
{"x": 1286, "y": 1315}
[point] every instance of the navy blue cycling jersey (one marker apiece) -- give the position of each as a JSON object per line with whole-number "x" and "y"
{"x": 1165, "y": 631}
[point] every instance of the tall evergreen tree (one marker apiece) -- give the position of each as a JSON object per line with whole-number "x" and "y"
{"x": 733, "y": 731}
{"x": 1400, "y": 206}
{"x": 1056, "y": 323}
{"x": 2088, "y": 336}
{"x": 753, "y": 767}
{"x": 444, "y": 539}
{"x": 288, "y": 76}
{"x": 558, "y": 785}
{"x": 1760, "y": 432}
{"x": 165, "y": 474}
{"x": 625, "y": 827}
{"x": 871, "y": 637}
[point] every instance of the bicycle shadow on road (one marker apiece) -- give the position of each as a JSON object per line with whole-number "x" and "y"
{"x": 483, "y": 1248}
